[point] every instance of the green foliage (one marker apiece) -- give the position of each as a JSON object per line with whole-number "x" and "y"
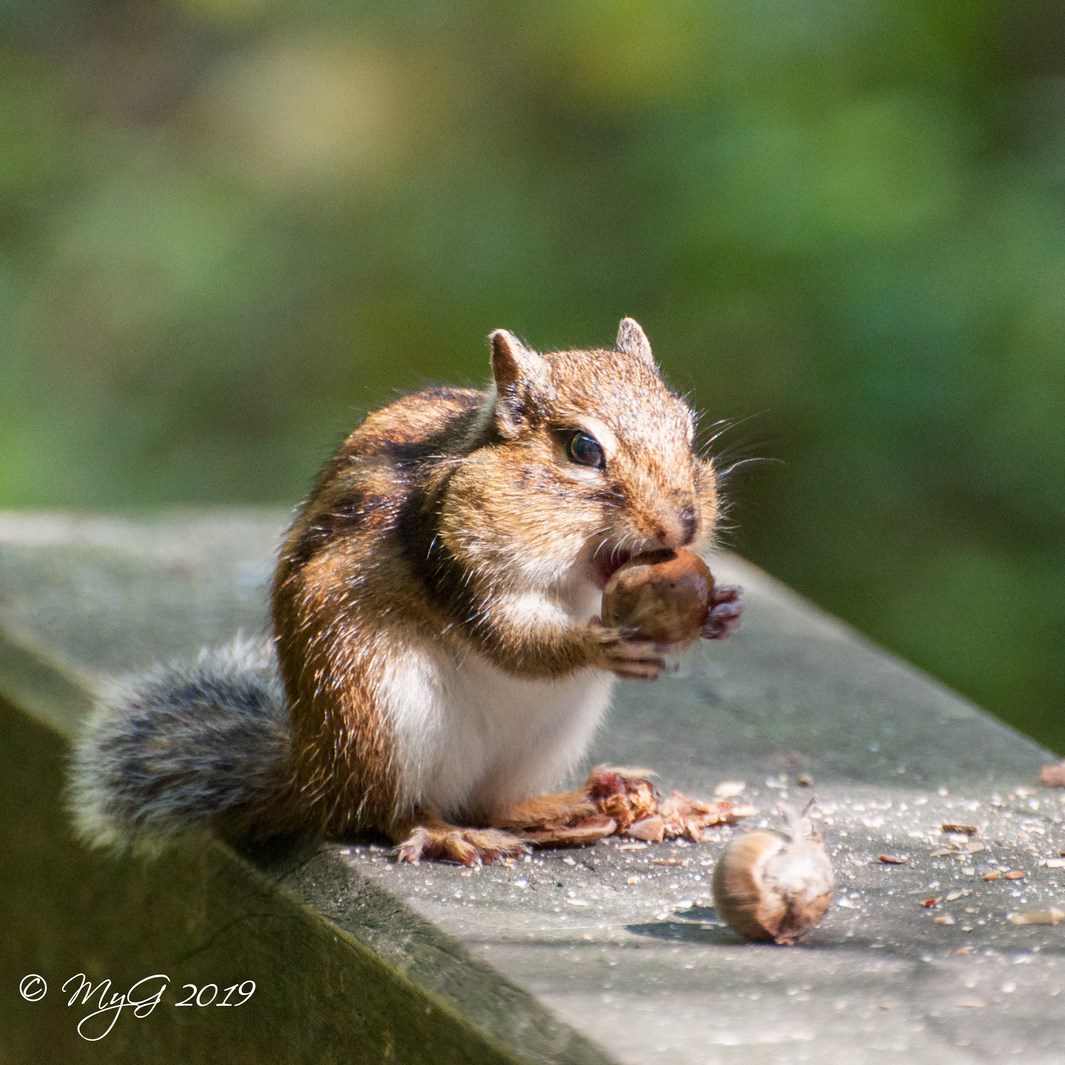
{"x": 226, "y": 226}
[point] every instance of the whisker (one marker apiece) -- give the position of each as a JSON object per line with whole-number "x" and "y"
{"x": 725, "y": 425}
{"x": 726, "y": 472}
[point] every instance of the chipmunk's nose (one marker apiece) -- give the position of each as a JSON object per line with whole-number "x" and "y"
{"x": 678, "y": 529}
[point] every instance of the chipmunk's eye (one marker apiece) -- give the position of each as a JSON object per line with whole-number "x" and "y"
{"x": 584, "y": 449}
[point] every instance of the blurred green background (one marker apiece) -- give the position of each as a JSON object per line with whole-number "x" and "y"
{"x": 228, "y": 226}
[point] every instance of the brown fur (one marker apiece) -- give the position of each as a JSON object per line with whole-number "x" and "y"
{"x": 342, "y": 584}
{"x": 432, "y": 510}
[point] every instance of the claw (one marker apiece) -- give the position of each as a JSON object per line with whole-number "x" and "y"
{"x": 726, "y": 609}
{"x": 626, "y": 656}
{"x": 466, "y": 846}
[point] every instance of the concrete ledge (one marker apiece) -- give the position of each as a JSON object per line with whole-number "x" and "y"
{"x": 611, "y": 953}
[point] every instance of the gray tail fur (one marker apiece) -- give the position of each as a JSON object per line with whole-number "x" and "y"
{"x": 200, "y": 745}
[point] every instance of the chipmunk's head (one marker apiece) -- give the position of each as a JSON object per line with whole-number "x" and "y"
{"x": 602, "y": 453}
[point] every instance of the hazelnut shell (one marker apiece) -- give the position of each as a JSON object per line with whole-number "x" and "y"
{"x": 772, "y": 888}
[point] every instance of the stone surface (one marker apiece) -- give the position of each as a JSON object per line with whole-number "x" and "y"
{"x": 616, "y": 946}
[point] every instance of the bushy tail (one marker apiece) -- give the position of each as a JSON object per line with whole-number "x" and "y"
{"x": 204, "y": 745}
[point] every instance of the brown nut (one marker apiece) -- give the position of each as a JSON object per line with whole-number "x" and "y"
{"x": 662, "y": 595}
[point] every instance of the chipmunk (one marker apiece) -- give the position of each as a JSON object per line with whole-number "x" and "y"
{"x": 437, "y": 660}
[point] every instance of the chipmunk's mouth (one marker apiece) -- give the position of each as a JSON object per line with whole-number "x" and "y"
{"x": 606, "y": 563}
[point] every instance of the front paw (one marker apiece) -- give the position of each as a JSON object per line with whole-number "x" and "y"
{"x": 625, "y": 656}
{"x": 723, "y": 618}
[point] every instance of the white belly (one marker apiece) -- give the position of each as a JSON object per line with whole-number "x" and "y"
{"x": 472, "y": 739}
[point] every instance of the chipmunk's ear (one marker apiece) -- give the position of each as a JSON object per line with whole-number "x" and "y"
{"x": 633, "y": 340}
{"x": 522, "y": 381}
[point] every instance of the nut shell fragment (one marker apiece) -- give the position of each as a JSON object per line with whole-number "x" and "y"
{"x": 1049, "y": 916}
{"x": 1053, "y": 776}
